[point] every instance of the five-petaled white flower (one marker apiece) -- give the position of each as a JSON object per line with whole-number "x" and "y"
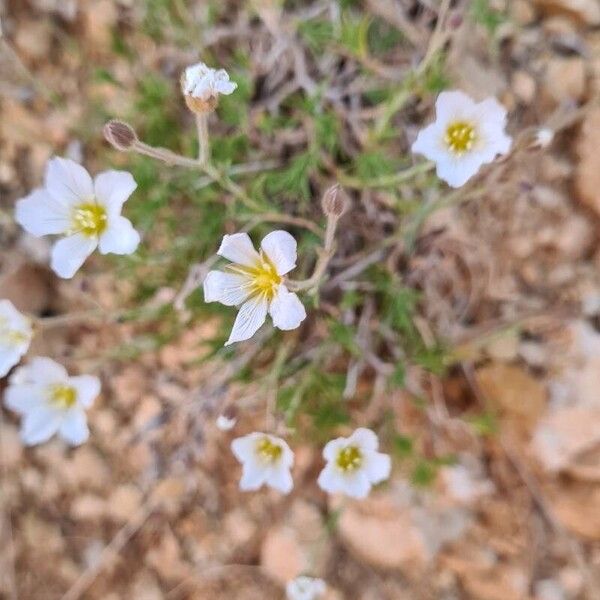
{"x": 51, "y": 402}
{"x": 87, "y": 212}
{"x": 266, "y": 460}
{"x": 204, "y": 83}
{"x": 354, "y": 465}
{"x": 255, "y": 281}
{"x": 305, "y": 588}
{"x": 464, "y": 136}
{"x": 15, "y": 336}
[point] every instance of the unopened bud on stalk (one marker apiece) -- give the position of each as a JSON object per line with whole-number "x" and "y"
{"x": 542, "y": 138}
{"x": 120, "y": 135}
{"x": 228, "y": 418}
{"x": 334, "y": 203}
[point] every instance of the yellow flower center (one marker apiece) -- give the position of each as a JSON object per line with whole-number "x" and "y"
{"x": 264, "y": 279}
{"x": 460, "y": 137}
{"x": 349, "y": 459}
{"x": 269, "y": 451}
{"x": 89, "y": 218}
{"x": 63, "y": 396}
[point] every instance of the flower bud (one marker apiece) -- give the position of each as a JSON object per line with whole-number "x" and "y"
{"x": 120, "y": 135}
{"x": 334, "y": 203}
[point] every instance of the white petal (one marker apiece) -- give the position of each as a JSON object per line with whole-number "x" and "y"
{"x": 280, "y": 479}
{"x": 74, "y": 429}
{"x": 70, "y": 253}
{"x": 112, "y": 189}
{"x": 23, "y": 399}
{"x": 253, "y": 477}
{"x": 244, "y": 447}
{"x": 40, "y": 425}
{"x": 430, "y": 144}
{"x": 9, "y": 357}
{"x": 330, "y": 480}
{"x": 280, "y": 247}
{"x": 251, "y": 316}
{"x": 40, "y": 369}
{"x": 225, "y": 87}
{"x": 68, "y": 182}
{"x": 490, "y": 111}
{"x": 119, "y": 237}
{"x": 40, "y": 214}
{"x": 456, "y": 171}
{"x": 453, "y": 105}
{"x": 286, "y": 310}
{"x": 364, "y": 438}
{"x": 238, "y": 248}
{"x": 88, "y": 389}
{"x": 378, "y": 467}
{"x": 332, "y": 448}
{"x": 356, "y": 485}
{"x": 227, "y": 288}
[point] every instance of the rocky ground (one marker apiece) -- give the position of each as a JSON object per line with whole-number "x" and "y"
{"x": 149, "y": 508}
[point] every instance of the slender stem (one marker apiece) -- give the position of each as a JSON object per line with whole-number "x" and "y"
{"x": 325, "y": 256}
{"x": 386, "y": 180}
{"x": 203, "y": 141}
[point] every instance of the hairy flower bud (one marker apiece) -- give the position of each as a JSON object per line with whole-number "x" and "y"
{"x": 120, "y": 135}
{"x": 334, "y": 203}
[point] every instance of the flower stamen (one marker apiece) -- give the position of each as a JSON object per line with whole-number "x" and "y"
{"x": 90, "y": 219}
{"x": 263, "y": 277}
{"x": 349, "y": 459}
{"x": 268, "y": 451}
{"x": 63, "y": 396}
{"x": 460, "y": 137}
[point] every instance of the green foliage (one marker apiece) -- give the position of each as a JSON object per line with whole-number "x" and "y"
{"x": 483, "y": 13}
{"x": 425, "y": 470}
{"x": 403, "y": 445}
{"x": 317, "y": 34}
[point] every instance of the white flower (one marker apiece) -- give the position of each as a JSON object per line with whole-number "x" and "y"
{"x": 51, "y": 402}
{"x": 266, "y": 459}
{"x": 354, "y": 465}
{"x": 225, "y": 423}
{"x": 15, "y": 336}
{"x": 204, "y": 83}
{"x": 87, "y": 212}
{"x": 464, "y": 136}
{"x": 305, "y": 588}
{"x": 255, "y": 281}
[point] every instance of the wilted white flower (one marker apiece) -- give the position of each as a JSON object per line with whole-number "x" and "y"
{"x": 15, "y": 336}
{"x": 305, "y": 588}
{"x": 225, "y": 423}
{"x": 255, "y": 281}
{"x": 354, "y": 465}
{"x": 87, "y": 212}
{"x": 51, "y": 402}
{"x": 202, "y": 85}
{"x": 464, "y": 136}
{"x": 266, "y": 460}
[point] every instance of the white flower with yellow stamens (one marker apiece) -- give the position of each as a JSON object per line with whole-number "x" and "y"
{"x": 464, "y": 136}
{"x": 51, "y": 402}
{"x": 255, "y": 282}
{"x": 354, "y": 465}
{"x": 305, "y": 588}
{"x": 15, "y": 336}
{"x": 87, "y": 212}
{"x": 266, "y": 460}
